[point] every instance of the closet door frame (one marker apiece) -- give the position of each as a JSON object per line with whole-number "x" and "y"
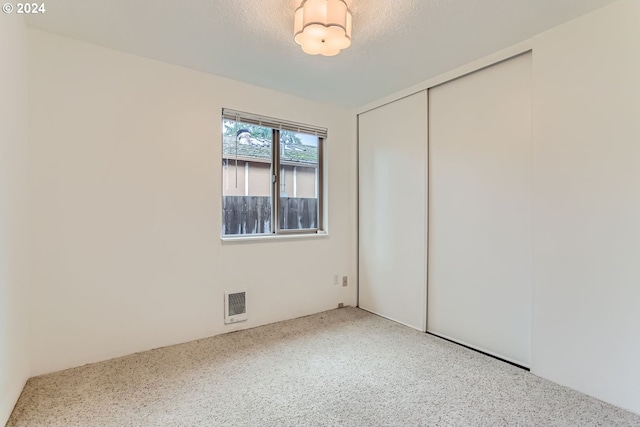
{"x": 477, "y": 65}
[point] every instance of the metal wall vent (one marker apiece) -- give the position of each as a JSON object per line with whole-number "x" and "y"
{"x": 235, "y": 306}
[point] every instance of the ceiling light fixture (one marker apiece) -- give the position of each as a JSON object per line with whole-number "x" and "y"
{"x": 323, "y": 26}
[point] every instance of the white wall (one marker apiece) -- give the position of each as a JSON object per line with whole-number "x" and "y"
{"x": 586, "y": 249}
{"x": 14, "y": 308}
{"x": 126, "y": 196}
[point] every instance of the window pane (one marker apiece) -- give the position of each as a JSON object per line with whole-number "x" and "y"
{"x": 246, "y": 178}
{"x": 298, "y": 181}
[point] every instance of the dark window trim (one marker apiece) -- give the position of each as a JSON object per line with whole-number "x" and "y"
{"x": 277, "y": 125}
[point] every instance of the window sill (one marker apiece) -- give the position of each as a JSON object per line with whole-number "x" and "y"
{"x": 272, "y": 237}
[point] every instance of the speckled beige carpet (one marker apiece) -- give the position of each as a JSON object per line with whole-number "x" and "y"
{"x": 342, "y": 367}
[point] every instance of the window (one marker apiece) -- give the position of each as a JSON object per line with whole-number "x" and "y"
{"x": 271, "y": 175}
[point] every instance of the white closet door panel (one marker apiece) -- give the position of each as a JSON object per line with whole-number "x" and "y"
{"x": 479, "y": 284}
{"x": 392, "y": 198}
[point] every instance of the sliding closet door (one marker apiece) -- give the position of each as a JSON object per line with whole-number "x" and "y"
{"x": 479, "y": 284}
{"x": 392, "y": 210}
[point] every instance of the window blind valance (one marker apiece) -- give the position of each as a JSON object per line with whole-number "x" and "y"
{"x": 271, "y": 122}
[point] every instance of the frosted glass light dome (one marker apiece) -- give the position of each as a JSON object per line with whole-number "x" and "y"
{"x": 323, "y": 27}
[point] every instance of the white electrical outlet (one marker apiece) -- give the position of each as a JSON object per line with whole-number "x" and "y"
{"x": 336, "y": 280}
{"x": 345, "y": 281}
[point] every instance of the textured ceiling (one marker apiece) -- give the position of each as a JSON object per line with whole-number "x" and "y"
{"x": 396, "y": 43}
